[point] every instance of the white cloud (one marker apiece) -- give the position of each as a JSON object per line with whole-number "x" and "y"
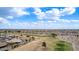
{"x": 12, "y": 12}
{"x": 10, "y": 17}
{"x": 42, "y": 24}
{"x": 75, "y": 21}
{"x": 19, "y": 11}
{"x": 39, "y": 13}
{"x": 3, "y": 21}
{"x": 50, "y": 14}
{"x": 67, "y": 21}
{"x": 28, "y": 25}
{"x": 67, "y": 11}
{"x": 54, "y": 14}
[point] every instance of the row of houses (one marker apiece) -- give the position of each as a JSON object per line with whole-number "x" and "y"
{"x": 72, "y": 37}
{"x": 10, "y": 42}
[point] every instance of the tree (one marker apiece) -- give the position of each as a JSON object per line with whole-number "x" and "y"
{"x": 33, "y": 38}
{"x": 44, "y": 44}
{"x": 18, "y": 31}
{"x": 54, "y": 35}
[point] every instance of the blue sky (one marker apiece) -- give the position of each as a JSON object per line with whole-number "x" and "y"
{"x": 39, "y": 18}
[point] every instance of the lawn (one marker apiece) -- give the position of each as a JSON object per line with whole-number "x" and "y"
{"x": 63, "y": 46}
{"x": 54, "y": 44}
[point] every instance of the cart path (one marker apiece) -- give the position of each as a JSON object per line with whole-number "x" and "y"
{"x": 32, "y": 46}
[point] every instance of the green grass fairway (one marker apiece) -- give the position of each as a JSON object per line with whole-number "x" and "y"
{"x": 52, "y": 43}
{"x": 63, "y": 46}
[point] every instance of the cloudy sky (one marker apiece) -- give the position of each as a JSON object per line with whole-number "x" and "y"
{"x": 39, "y": 18}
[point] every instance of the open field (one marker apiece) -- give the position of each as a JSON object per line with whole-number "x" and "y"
{"x": 51, "y": 43}
{"x": 37, "y": 45}
{"x": 38, "y": 40}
